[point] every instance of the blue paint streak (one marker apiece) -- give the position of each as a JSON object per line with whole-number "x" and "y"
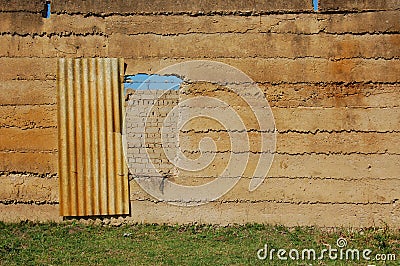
{"x": 152, "y": 82}
{"x": 315, "y": 4}
{"x": 48, "y": 9}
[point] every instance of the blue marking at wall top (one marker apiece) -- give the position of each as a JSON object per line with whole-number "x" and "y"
{"x": 315, "y": 4}
{"x": 47, "y": 10}
{"x": 152, "y": 82}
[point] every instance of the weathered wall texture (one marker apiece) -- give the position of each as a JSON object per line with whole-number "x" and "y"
{"x": 331, "y": 77}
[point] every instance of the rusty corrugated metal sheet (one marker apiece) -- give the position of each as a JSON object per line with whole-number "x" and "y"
{"x": 92, "y": 171}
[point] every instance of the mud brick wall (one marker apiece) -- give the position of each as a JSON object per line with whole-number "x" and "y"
{"x": 332, "y": 78}
{"x": 143, "y": 131}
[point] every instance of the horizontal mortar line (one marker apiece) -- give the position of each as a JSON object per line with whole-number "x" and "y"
{"x": 211, "y": 58}
{"x": 310, "y": 202}
{"x": 271, "y": 96}
{"x": 188, "y": 13}
{"x": 336, "y": 131}
{"x": 352, "y": 11}
{"x": 108, "y": 33}
{"x": 304, "y": 104}
{"x": 328, "y": 153}
{"x": 28, "y": 127}
{"x": 321, "y": 108}
{"x": 30, "y": 104}
{"x": 267, "y": 201}
{"x": 29, "y": 202}
{"x": 39, "y": 12}
{"x": 54, "y": 34}
{"x": 28, "y": 174}
{"x": 31, "y": 79}
{"x": 284, "y": 132}
{"x": 302, "y": 107}
{"x": 132, "y": 177}
{"x": 366, "y": 88}
{"x": 368, "y": 92}
{"x": 35, "y": 57}
{"x": 313, "y": 132}
{"x": 261, "y": 95}
{"x": 294, "y": 103}
{"x": 345, "y": 179}
{"x": 324, "y": 90}
{"x": 30, "y": 151}
{"x": 289, "y": 103}
{"x": 45, "y": 84}
{"x": 208, "y": 13}
{"x": 389, "y": 107}
{"x": 255, "y": 31}
{"x": 223, "y": 13}
{"x": 329, "y": 83}
{"x": 245, "y": 13}
{"x": 372, "y": 88}
{"x": 331, "y": 59}
{"x": 279, "y": 105}
{"x": 360, "y": 33}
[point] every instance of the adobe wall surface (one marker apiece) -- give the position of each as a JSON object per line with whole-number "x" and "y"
{"x": 332, "y": 79}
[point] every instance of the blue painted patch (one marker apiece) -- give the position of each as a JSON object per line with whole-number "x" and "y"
{"x": 47, "y": 10}
{"x": 152, "y": 82}
{"x": 315, "y": 4}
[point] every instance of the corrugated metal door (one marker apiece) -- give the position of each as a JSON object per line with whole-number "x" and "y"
{"x": 93, "y": 175}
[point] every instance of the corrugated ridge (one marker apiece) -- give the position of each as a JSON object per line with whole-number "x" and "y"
{"x": 93, "y": 173}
